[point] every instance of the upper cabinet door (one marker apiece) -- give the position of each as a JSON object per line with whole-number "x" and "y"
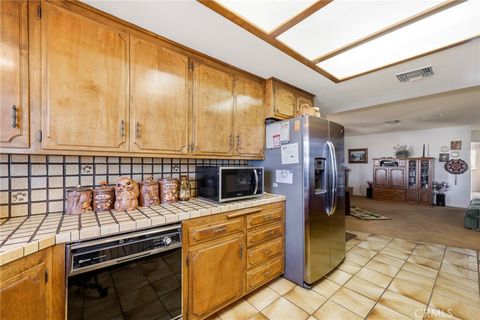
{"x": 159, "y": 108}
{"x": 212, "y": 111}
{"x": 84, "y": 83}
{"x": 14, "y": 103}
{"x": 285, "y": 101}
{"x": 249, "y": 117}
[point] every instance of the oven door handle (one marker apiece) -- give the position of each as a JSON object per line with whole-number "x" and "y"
{"x": 256, "y": 181}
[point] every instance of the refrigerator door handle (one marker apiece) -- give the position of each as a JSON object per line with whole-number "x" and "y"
{"x": 256, "y": 181}
{"x": 334, "y": 174}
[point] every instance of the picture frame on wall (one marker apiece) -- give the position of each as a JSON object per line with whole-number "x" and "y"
{"x": 444, "y": 157}
{"x": 358, "y": 155}
{"x": 456, "y": 145}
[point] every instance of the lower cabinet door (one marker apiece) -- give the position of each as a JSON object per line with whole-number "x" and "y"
{"x": 216, "y": 274}
{"x": 24, "y": 296}
{"x": 412, "y": 195}
{"x": 425, "y": 197}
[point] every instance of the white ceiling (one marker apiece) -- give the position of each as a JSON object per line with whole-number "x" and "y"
{"x": 459, "y": 107}
{"x": 194, "y": 25}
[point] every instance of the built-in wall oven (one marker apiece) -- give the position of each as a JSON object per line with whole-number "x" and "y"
{"x": 130, "y": 276}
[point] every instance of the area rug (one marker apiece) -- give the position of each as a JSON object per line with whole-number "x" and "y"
{"x": 366, "y": 215}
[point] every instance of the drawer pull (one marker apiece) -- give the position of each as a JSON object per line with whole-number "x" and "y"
{"x": 267, "y": 273}
{"x": 243, "y": 212}
{"x": 267, "y": 218}
{"x": 267, "y": 252}
{"x": 270, "y": 233}
{"x": 223, "y": 229}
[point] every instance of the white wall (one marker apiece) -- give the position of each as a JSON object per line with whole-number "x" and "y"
{"x": 381, "y": 145}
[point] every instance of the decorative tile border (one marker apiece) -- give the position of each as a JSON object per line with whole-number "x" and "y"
{"x": 37, "y": 184}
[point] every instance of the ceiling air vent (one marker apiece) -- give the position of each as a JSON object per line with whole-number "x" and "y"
{"x": 430, "y": 117}
{"x": 416, "y": 74}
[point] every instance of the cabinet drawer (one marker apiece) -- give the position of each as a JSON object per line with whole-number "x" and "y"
{"x": 264, "y": 273}
{"x": 264, "y": 252}
{"x": 258, "y": 219}
{"x": 215, "y": 230}
{"x": 264, "y": 234}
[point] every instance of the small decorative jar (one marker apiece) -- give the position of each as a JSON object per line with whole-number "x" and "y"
{"x": 103, "y": 197}
{"x": 126, "y": 194}
{"x": 149, "y": 194}
{"x": 168, "y": 190}
{"x": 79, "y": 200}
{"x": 184, "y": 194}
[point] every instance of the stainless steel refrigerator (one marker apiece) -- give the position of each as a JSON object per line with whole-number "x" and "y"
{"x": 313, "y": 182}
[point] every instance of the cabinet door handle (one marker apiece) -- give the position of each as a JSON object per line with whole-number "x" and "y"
{"x": 240, "y": 252}
{"x": 231, "y": 141}
{"x": 122, "y": 128}
{"x": 238, "y": 141}
{"x": 137, "y": 130}
{"x": 14, "y": 116}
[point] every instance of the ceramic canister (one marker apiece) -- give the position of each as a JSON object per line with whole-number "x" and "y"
{"x": 168, "y": 190}
{"x": 149, "y": 193}
{"x": 103, "y": 197}
{"x": 78, "y": 200}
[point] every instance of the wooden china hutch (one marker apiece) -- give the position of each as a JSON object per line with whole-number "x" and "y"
{"x": 408, "y": 179}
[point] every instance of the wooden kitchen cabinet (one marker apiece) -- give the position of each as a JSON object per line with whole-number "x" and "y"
{"x": 33, "y": 287}
{"x": 396, "y": 177}
{"x": 380, "y": 177}
{"x": 85, "y": 70}
{"x": 159, "y": 103}
{"x": 228, "y": 255}
{"x": 249, "y": 118}
{"x": 14, "y": 101}
{"x": 212, "y": 110}
{"x": 282, "y": 100}
{"x": 216, "y": 275}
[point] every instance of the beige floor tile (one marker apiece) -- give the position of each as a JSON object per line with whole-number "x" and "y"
{"x": 403, "y": 305}
{"x": 360, "y": 235}
{"x": 411, "y": 290}
{"x": 371, "y": 245}
{"x": 261, "y": 298}
{"x": 384, "y": 268}
{"x": 402, "y": 245}
{"x": 421, "y": 270}
{"x": 375, "y": 277}
{"x": 339, "y": 276}
{"x": 311, "y": 318}
{"x": 258, "y": 316}
{"x": 433, "y": 245}
{"x": 326, "y": 287}
{"x": 389, "y": 260}
{"x": 363, "y": 252}
{"x": 241, "y": 310}
{"x": 364, "y": 287}
{"x": 380, "y": 312}
{"x": 426, "y": 262}
{"x": 450, "y": 280}
{"x": 351, "y": 243}
{"x": 470, "y": 252}
{"x": 349, "y": 267}
{"x": 213, "y": 317}
{"x": 428, "y": 251}
{"x": 395, "y": 253}
{"x": 461, "y": 260}
{"x": 353, "y": 301}
{"x": 282, "y": 309}
{"x": 332, "y": 311}
{"x": 461, "y": 294}
{"x": 355, "y": 258}
{"x": 459, "y": 271}
{"x": 458, "y": 308}
{"x": 436, "y": 314}
{"x": 282, "y": 285}
{"x": 306, "y": 299}
{"x": 416, "y": 279}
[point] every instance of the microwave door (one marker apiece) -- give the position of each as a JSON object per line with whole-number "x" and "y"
{"x": 238, "y": 183}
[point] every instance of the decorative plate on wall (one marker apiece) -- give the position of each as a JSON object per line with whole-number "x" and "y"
{"x": 456, "y": 167}
{"x": 455, "y": 154}
{"x": 444, "y": 149}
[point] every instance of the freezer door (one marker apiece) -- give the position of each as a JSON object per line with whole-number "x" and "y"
{"x": 316, "y": 184}
{"x": 337, "y": 217}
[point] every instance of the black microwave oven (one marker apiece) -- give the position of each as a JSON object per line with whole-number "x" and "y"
{"x": 229, "y": 183}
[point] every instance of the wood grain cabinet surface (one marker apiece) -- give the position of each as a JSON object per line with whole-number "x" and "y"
{"x": 212, "y": 111}
{"x": 282, "y": 100}
{"x": 84, "y": 82}
{"x": 33, "y": 287}
{"x": 14, "y": 102}
{"x": 220, "y": 265}
{"x": 159, "y": 104}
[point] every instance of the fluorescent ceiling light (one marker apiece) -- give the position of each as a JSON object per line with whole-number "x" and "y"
{"x": 450, "y": 26}
{"x": 342, "y": 22}
{"x": 266, "y": 14}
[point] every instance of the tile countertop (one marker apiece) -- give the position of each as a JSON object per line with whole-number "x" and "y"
{"x": 22, "y": 236}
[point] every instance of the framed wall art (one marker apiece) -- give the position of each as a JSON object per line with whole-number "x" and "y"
{"x": 358, "y": 155}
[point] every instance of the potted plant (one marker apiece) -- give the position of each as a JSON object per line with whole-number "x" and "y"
{"x": 370, "y": 189}
{"x": 402, "y": 151}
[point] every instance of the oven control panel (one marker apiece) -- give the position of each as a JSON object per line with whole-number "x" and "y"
{"x": 91, "y": 255}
